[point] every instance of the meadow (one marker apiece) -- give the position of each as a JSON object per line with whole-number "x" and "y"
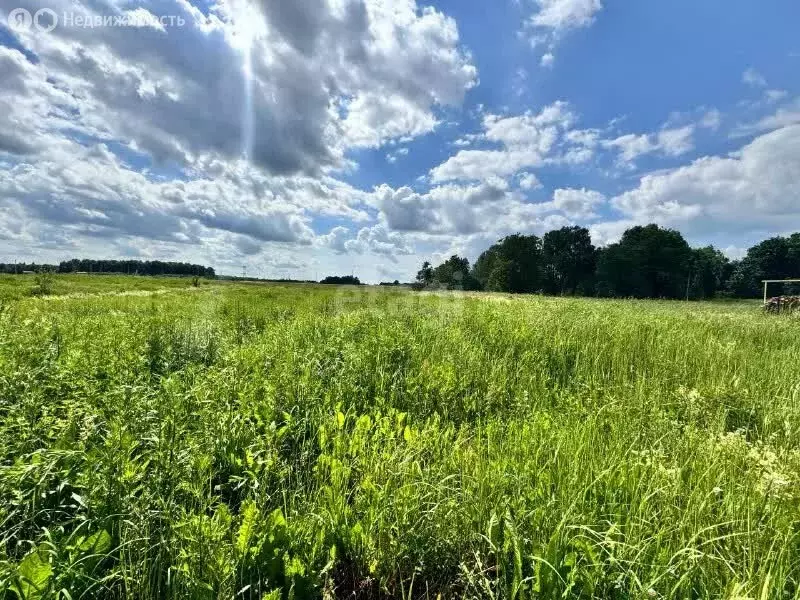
{"x": 268, "y": 441}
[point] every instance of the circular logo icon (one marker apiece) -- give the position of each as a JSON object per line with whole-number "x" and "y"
{"x": 19, "y": 19}
{"x": 45, "y": 20}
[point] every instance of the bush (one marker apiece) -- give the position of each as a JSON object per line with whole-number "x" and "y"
{"x": 44, "y": 283}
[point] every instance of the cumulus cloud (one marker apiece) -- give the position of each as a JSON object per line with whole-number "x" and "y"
{"x": 376, "y": 240}
{"x": 373, "y": 120}
{"x": 524, "y": 141}
{"x": 578, "y": 203}
{"x": 529, "y": 181}
{"x": 754, "y": 189}
{"x": 561, "y": 15}
{"x": 674, "y": 142}
{"x": 669, "y": 142}
{"x": 553, "y": 18}
{"x": 335, "y": 239}
{"x": 91, "y": 192}
{"x": 631, "y": 146}
{"x": 263, "y": 80}
{"x": 486, "y": 210}
{"x": 547, "y": 138}
{"x": 406, "y": 210}
{"x": 226, "y": 130}
{"x": 786, "y": 115}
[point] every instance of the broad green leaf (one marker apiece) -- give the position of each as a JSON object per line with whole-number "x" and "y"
{"x": 247, "y": 528}
{"x": 33, "y": 575}
{"x": 97, "y": 543}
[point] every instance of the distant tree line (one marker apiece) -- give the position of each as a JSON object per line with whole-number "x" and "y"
{"x": 263, "y": 279}
{"x": 17, "y": 268}
{"x": 129, "y": 267}
{"x": 648, "y": 262}
{"x": 341, "y": 280}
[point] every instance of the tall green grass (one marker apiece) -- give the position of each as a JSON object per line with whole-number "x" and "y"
{"x": 307, "y": 442}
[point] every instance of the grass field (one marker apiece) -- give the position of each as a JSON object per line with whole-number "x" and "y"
{"x": 15, "y": 287}
{"x": 273, "y": 441}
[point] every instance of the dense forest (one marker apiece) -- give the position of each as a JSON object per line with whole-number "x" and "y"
{"x": 128, "y": 267}
{"x": 648, "y": 262}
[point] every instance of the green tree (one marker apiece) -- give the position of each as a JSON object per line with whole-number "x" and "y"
{"x": 517, "y": 260}
{"x": 425, "y": 274}
{"x": 794, "y": 253}
{"x": 482, "y": 270}
{"x": 499, "y": 279}
{"x": 775, "y": 258}
{"x": 454, "y": 274}
{"x": 708, "y": 272}
{"x": 568, "y": 259}
{"x": 743, "y": 280}
{"x": 649, "y": 262}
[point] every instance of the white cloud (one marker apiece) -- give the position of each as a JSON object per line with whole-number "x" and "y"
{"x": 369, "y": 240}
{"x": 674, "y": 142}
{"x": 631, "y": 146}
{"x": 373, "y": 120}
{"x": 335, "y": 239}
{"x": 669, "y": 142}
{"x": 529, "y": 181}
{"x": 371, "y": 70}
{"x": 134, "y": 137}
{"x": 782, "y": 118}
{"x": 393, "y": 156}
{"x": 488, "y": 210}
{"x": 450, "y": 209}
{"x": 755, "y": 189}
{"x": 786, "y": 115}
{"x": 91, "y": 193}
{"x": 609, "y": 232}
{"x": 405, "y": 210}
{"x": 525, "y": 141}
{"x": 532, "y": 140}
{"x": 578, "y": 203}
{"x": 712, "y": 119}
{"x": 553, "y": 18}
{"x": 734, "y": 252}
{"x": 477, "y": 165}
{"x": 753, "y": 78}
{"x": 561, "y": 15}
{"x": 378, "y": 240}
{"x": 538, "y": 131}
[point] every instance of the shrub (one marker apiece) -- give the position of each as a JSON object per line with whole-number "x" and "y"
{"x": 44, "y": 282}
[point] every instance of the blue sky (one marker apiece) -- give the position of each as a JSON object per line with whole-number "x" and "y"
{"x": 329, "y": 136}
